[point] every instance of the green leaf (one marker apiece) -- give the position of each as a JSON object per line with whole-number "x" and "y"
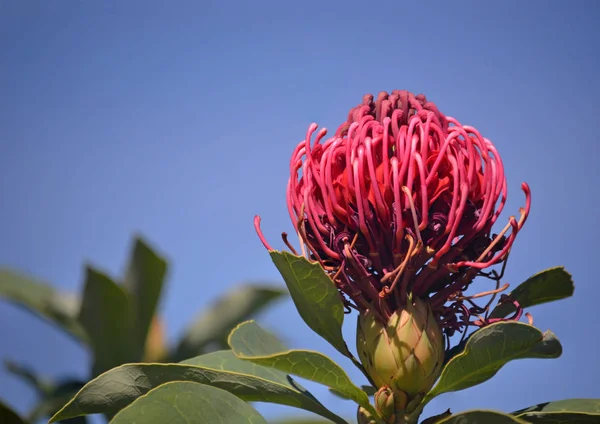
{"x": 105, "y": 315}
{"x": 41, "y": 386}
{"x": 545, "y": 286}
{"x": 489, "y": 349}
{"x": 144, "y": 281}
{"x": 8, "y": 416}
{"x": 280, "y": 387}
{"x": 481, "y": 416}
{"x": 216, "y": 322}
{"x": 437, "y": 418}
{"x": 250, "y": 342}
{"x": 369, "y": 390}
{"x": 52, "y": 395}
{"x": 119, "y": 387}
{"x": 185, "y": 402}
{"x": 316, "y": 297}
{"x": 55, "y": 399}
{"x": 582, "y": 411}
{"x": 43, "y": 300}
{"x": 78, "y": 420}
{"x": 300, "y": 421}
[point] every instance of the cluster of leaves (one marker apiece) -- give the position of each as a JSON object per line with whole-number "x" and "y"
{"x": 256, "y": 367}
{"x": 117, "y": 322}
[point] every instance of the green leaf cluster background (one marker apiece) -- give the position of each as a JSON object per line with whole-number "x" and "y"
{"x": 223, "y": 363}
{"x": 118, "y": 321}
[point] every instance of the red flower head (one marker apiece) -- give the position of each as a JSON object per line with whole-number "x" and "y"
{"x": 400, "y": 201}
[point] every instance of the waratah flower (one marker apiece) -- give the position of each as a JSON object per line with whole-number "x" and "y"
{"x": 398, "y": 208}
{"x": 402, "y": 199}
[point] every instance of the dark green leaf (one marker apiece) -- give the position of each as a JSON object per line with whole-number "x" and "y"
{"x": 55, "y": 399}
{"x": 117, "y": 388}
{"x": 40, "y": 385}
{"x": 489, "y": 349}
{"x": 105, "y": 315}
{"x": 480, "y": 417}
{"x": 191, "y": 403}
{"x": 8, "y": 416}
{"x": 369, "y": 390}
{"x": 216, "y": 322}
{"x": 316, "y": 297}
{"x": 250, "y": 342}
{"x": 280, "y": 387}
{"x": 581, "y": 411}
{"x": 144, "y": 281}
{"x": 455, "y": 350}
{"x": 52, "y": 395}
{"x": 248, "y": 339}
{"x": 76, "y": 420}
{"x": 300, "y": 421}
{"x": 545, "y": 286}
{"x": 437, "y": 418}
{"x": 44, "y": 301}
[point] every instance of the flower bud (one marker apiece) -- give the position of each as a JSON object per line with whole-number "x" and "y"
{"x": 364, "y": 417}
{"x": 406, "y": 354}
{"x": 385, "y": 402}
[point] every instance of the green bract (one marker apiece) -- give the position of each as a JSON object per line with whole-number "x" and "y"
{"x": 405, "y": 354}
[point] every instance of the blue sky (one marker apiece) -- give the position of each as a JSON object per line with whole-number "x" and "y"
{"x": 177, "y": 122}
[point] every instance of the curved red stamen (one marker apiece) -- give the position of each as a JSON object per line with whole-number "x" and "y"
{"x": 260, "y": 233}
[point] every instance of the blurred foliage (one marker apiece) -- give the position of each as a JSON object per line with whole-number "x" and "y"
{"x": 117, "y": 321}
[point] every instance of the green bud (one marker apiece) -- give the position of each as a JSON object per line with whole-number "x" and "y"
{"x": 385, "y": 402}
{"x": 407, "y": 353}
{"x": 364, "y": 417}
